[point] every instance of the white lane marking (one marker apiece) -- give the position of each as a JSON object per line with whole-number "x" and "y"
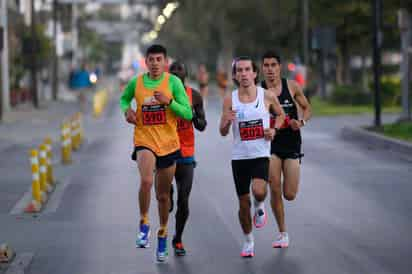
{"x": 21, "y": 204}
{"x": 55, "y": 199}
{"x": 20, "y": 264}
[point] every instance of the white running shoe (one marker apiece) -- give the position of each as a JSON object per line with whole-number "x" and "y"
{"x": 260, "y": 217}
{"x": 248, "y": 249}
{"x": 282, "y": 241}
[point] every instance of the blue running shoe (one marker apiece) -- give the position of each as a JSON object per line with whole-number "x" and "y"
{"x": 161, "y": 252}
{"x": 143, "y": 236}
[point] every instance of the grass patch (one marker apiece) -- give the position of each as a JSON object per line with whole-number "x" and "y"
{"x": 399, "y": 130}
{"x": 324, "y": 108}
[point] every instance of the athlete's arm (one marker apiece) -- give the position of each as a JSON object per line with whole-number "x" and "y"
{"x": 301, "y": 100}
{"x": 126, "y": 99}
{"x": 180, "y": 103}
{"x": 228, "y": 115}
{"x": 274, "y": 105}
{"x": 128, "y": 95}
{"x": 199, "y": 117}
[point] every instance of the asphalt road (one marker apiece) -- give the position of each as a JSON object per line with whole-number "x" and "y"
{"x": 352, "y": 213}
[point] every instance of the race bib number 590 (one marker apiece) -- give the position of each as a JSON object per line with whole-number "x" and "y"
{"x": 154, "y": 114}
{"x": 251, "y": 130}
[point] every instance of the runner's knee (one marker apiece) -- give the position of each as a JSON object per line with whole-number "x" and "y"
{"x": 163, "y": 197}
{"x": 146, "y": 183}
{"x": 290, "y": 196}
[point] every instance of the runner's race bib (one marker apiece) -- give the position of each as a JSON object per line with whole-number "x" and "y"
{"x": 154, "y": 115}
{"x": 251, "y": 130}
{"x": 183, "y": 124}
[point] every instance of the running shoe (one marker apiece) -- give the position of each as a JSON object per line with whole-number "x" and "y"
{"x": 282, "y": 241}
{"x": 143, "y": 236}
{"x": 260, "y": 218}
{"x": 161, "y": 251}
{"x": 248, "y": 249}
{"x": 179, "y": 248}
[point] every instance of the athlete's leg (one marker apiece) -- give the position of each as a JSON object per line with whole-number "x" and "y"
{"x": 260, "y": 178}
{"x": 259, "y": 189}
{"x": 291, "y": 175}
{"x": 146, "y": 164}
{"x": 276, "y": 191}
{"x": 244, "y": 213}
{"x": 184, "y": 181}
{"x": 242, "y": 176}
{"x": 164, "y": 178}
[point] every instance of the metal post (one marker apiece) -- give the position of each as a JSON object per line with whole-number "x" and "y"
{"x": 305, "y": 32}
{"x": 74, "y": 34}
{"x": 34, "y": 48}
{"x": 405, "y": 29}
{"x": 4, "y": 59}
{"x": 322, "y": 73}
{"x": 377, "y": 42}
{"x": 55, "y": 72}
{"x": 1, "y": 70}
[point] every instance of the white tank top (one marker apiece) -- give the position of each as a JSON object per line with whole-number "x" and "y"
{"x": 251, "y": 119}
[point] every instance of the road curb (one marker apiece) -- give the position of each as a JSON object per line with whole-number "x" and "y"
{"x": 372, "y": 139}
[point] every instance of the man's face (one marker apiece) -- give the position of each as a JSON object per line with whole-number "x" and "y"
{"x": 244, "y": 73}
{"x": 156, "y": 63}
{"x": 178, "y": 70}
{"x": 271, "y": 69}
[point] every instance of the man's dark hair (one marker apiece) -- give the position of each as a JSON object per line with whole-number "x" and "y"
{"x": 156, "y": 49}
{"x": 244, "y": 58}
{"x": 178, "y": 64}
{"x": 271, "y": 54}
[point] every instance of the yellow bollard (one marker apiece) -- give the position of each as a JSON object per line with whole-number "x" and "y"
{"x": 36, "y": 202}
{"x": 6, "y": 253}
{"x": 99, "y": 102}
{"x": 80, "y": 128}
{"x": 50, "y": 178}
{"x": 78, "y": 133}
{"x": 66, "y": 148}
{"x": 44, "y": 186}
{"x": 73, "y": 132}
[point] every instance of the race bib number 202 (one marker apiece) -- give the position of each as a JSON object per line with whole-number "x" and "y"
{"x": 154, "y": 114}
{"x": 251, "y": 130}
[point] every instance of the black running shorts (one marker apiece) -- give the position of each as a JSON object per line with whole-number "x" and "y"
{"x": 246, "y": 170}
{"x": 161, "y": 161}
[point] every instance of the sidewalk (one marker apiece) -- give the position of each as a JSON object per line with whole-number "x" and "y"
{"x": 25, "y": 128}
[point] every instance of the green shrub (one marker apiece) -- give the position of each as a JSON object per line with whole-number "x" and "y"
{"x": 350, "y": 95}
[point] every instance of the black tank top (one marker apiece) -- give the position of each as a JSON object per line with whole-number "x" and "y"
{"x": 286, "y": 140}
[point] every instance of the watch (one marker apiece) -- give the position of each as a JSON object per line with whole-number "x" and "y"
{"x": 303, "y": 122}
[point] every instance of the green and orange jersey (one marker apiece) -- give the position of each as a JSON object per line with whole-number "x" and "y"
{"x": 156, "y": 123}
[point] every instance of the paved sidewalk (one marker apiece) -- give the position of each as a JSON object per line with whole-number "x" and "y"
{"x": 25, "y": 128}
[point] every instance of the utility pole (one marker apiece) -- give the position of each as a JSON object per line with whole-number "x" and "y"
{"x": 305, "y": 31}
{"x": 377, "y": 43}
{"x": 404, "y": 22}
{"x": 55, "y": 72}
{"x": 4, "y": 60}
{"x": 33, "y": 51}
{"x": 74, "y": 33}
{"x": 1, "y": 80}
